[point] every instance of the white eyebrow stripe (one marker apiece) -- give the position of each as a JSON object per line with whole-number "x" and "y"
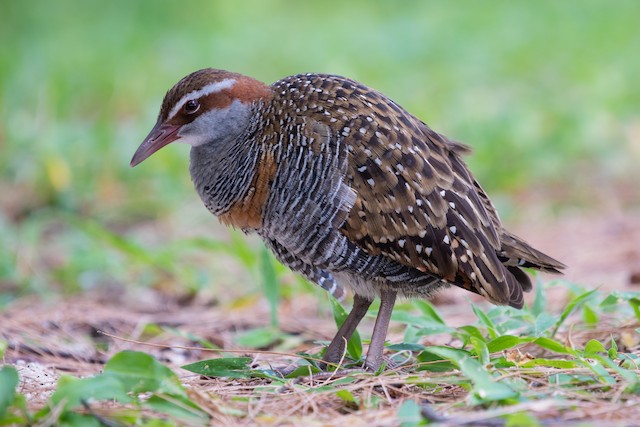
{"x": 207, "y": 90}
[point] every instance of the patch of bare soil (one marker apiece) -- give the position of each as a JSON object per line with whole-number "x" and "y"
{"x": 50, "y": 338}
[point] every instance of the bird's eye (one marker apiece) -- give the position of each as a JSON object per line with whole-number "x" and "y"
{"x": 191, "y": 106}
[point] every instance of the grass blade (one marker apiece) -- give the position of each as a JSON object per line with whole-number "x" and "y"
{"x": 485, "y": 388}
{"x": 8, "y": 384}
{"x": 573, "y": 305}
{"x": 230, "y": 367}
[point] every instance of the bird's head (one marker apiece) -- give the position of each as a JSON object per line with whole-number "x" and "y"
{"x": 204, "y": 107}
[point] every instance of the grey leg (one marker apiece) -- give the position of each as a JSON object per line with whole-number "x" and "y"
{"x": 336, "y": 348}
{"x": 374, "y": 355}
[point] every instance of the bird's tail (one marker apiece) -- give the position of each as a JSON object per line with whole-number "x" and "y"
{"x": 516, "y": 254}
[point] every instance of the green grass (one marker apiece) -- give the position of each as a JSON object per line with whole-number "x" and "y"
{"x": 545, "y": 92}
{"x": 507, "y": 358}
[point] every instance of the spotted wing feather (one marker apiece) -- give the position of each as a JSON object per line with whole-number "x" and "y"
{"x": 416, "y": 202}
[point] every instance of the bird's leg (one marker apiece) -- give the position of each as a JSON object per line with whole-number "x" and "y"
{"x": 374, "y": 355}
{"x": 336, "y": 347}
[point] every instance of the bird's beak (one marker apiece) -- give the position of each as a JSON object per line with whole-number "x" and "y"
{"x": 161, "y": 135}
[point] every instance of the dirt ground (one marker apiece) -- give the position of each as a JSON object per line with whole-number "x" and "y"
{"x": 48, "y": 338}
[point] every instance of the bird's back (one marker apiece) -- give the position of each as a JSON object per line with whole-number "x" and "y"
{"x": 366, "y": 181}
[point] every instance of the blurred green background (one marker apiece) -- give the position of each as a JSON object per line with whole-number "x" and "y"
{"x": 547, "y": 93}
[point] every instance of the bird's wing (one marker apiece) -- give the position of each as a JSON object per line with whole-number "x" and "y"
{"x": 415, "y": 200}
{"x": 417, "y": 204}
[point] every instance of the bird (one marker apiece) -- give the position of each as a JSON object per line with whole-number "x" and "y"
{"x": 347, "y": 188}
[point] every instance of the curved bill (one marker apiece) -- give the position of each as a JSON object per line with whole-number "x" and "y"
{"x": 161, "y": 135}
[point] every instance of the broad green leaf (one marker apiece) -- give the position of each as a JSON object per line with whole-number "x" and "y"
{"x": 633, "y": 299}
{"x": 139, "y": 372}
{"x": 428, "y": 310}
{"x": 611, "y": 299}
{"x": 73, "y": 391}
{"x": 635, "y": 305}
{"x": 505, "y": 342}
{"x": 569, "y": 379}
{"x": 573, "y": 305}
{"x": 406, "y": 347}
{"x": 303, "y": 371}
{"x": 631, "y": 377}
{"x": 598, "y": 368}
{"x": 433, "y": 329}
{"x": 589, "y": 316}
{"x": 74, "y": 419}
{"x": 354, "y": 346}
{"x": 613, "y": 351}
{"x": 513, "y": 324}
{"x": 411, "y": 335}
{"x": 593, "y": 347}
{"x": 8, "y": 383}
{"x": 486, "y": 321}
{"x": 544, "y": 321}
{"x": 470, "y": 331}
{"x": 485, "y": 388}
{"x": 433, "y": 363}
{"x": 521, "y": 419}
{"x": 409, "y": 414}
{"x": 480, "y": 350}
{"x": 232, "y": 367}
{"x": 552, "y": 363}
{"x": 179, "y": 407}
{"x": 347, "y": 396}
{"x": 502, "y": 363}
{"x": 553, "y": 345}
